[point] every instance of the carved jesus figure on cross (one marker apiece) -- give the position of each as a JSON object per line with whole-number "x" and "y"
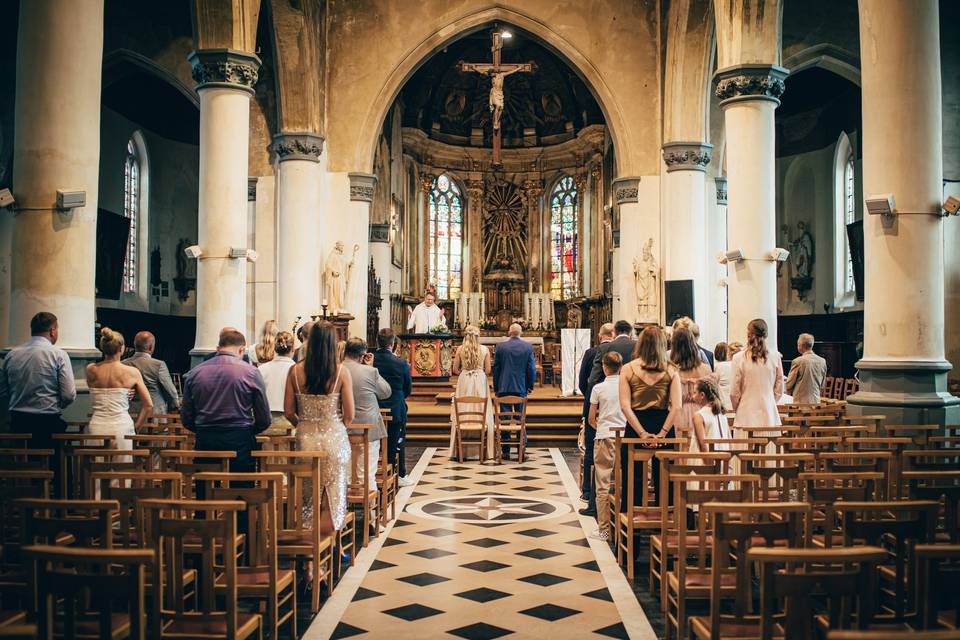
{"x": 497, "y": 72}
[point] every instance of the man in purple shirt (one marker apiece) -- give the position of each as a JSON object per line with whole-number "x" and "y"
{"x": 225, "y": 402}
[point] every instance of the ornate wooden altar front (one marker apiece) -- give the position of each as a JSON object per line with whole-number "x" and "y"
{"x": 430, "y": 356}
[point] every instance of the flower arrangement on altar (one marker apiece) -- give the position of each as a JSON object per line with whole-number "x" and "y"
{"x": 488, "y": 325}
{"x": 440, "y": 329}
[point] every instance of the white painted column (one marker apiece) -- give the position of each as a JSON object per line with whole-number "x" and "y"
{"x": 685, "y": 224}
{"x": 381, "y": 253}
{"x": 717, "y": 273}
{"x": 903, "y": 369}
{"x": 638, "y": 203}
{"x": 749, "y": 95}
{"x": 56, "y": 146}
{"x": 362, "y": 188}
{"x": 299, "y": 216}
{"x": 225, "y": 82}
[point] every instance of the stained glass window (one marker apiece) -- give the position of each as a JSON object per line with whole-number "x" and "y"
{"x": 446, "y": 237}
{"x": 131, "y": 209}
{"x": 849, "y": 215}
{"x": 564, "y": 240}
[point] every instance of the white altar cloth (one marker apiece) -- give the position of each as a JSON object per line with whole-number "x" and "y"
{"x": 573, "y": 344}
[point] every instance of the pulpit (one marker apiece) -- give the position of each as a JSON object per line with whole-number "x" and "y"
{"x": 430, "y": 356}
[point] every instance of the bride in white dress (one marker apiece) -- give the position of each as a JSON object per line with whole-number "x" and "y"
{"x": 110, "y": 383}
{"x": 471, "y": 363}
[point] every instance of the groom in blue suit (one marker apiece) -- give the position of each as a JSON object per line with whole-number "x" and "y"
{"x": 514, "y": 370}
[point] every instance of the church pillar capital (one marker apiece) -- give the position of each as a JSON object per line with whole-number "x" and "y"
{"x": 745, "y": 82}
{"x": 721, "y": 184}
{"x": 224, "y": 68}
{"x": 626, "y": 190}
{"x": 362, "y": 186}
{"x": 687, "y": 156}
{"x": 298, "y": 145}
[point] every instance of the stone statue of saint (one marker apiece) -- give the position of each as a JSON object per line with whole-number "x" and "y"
{"x": 646, "y": 281}
{"x": 336, "y": 279}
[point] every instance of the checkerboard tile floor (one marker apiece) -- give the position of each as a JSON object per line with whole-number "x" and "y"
{"x": 485, "y": 552}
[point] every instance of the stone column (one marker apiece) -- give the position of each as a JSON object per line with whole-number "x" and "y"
{"x": 717, "y": 233}
{"x": 749, "y": 94}
{"x": 903, "y": 371}
{"x": 420, "y": 269}
{"x": 685, "y": 224}
{"x": 380, "y": 251}
{"x": 637, "y": 224}
{"x": 539, "y": 267}
{"x": 299, "y": 227}
{"x": 363, "y": 186}
{"x": 56, "y": 147}
{"x": 225, "y": 80}
{"x": 473, "y": 255}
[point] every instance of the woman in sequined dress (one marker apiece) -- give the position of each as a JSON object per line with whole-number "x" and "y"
{"x": 319, "y": 403}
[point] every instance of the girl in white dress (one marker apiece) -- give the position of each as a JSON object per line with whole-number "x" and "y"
{"x": 709, "y": 422}
{"x": 110, "y": 382}
{"x": 471, "y": 363}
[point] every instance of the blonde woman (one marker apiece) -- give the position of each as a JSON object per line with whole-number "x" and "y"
{"x": 471, "y": 363}
{"x": 110, "y": 383}
{"x": 265, "y": 349}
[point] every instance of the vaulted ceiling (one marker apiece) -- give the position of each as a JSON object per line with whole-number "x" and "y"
{"x": 552, "y": 102}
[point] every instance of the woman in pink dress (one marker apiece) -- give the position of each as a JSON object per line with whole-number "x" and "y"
{"x": 685, "y": 356}
{"x": 757, "y": 383}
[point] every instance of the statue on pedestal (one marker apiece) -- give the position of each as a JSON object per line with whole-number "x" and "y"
{"x": 646, "y": 282}
{"x": 336, "y": 278}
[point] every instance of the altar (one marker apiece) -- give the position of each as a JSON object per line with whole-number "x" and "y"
{"x": 430, "y": 355}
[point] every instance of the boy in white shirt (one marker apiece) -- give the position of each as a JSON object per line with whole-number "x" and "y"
{"x": 605, "y": 415}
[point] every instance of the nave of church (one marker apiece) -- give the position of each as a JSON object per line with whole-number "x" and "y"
{"x": 227, "y": 226}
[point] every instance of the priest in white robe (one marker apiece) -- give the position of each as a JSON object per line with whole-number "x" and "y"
{"x": 426, "y": 315}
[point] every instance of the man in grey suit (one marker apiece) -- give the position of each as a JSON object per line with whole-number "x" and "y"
{"x": 155, "y": 374}
{"x": 368, "y": 388}
{"x": 806, "y": 372}
{"x": 623, "y": 344}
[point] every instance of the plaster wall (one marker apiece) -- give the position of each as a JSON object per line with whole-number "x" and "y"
{"x": 611, "y": 43}
{"x": 639, "y": 221}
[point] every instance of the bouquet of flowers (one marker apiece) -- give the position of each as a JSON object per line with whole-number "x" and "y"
{"x": 488, "y": 325}
{"x": 440, "y": 329}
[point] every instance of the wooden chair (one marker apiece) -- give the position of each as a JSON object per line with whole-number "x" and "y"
{"x": 362, "y": 495}
{"x": 808, "y": 444}
{"x": 641, "y": 514}
{"x": 191, "y": 462}
{"x": 663, "y": 545}
{"x": 387, "y": 484}
{"x": 470, "y": 417}
{"x": 942, "y": 634}
{"x": 850, "y": 387}
{"x": 736, "y": 528}
{"x": 155, "y": 444}
{"x": 12, "y": 459}
{"x": 261, "y": 578}
{"x": 85, "y": 523}
{"x": 853, "y": 461}
{"x": 919, "y": 433}
{"x": 298, "y": 538}
{"x": 15, "y": 440}
{"x": 686, "y": 581}
{"x": 826, "y": 389}
{"x": 896, "y": 445}
{"x": 825, "y": 491}
{"x": 172, "y": 521}
{"x": 938, "y": 574}
{"x": 68, "y": 444}
{"x": 14, "y": 578}
{"x": 90, "y": 461}
{"x": 779, "y": 472}
{"x": 507, "y": 418}
{"x": 942, "y": 486}
{"x": 737, "y": 447}
{"x": 90, "y": 583}
{"x": 128, "y": 488}
{"x": 900, "y": 524}
{"x": 846, "y": 576}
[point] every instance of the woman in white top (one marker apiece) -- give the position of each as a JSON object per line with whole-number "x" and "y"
{"x": 110, "y": 382}
{"x": 757, "y": 383}
{"x": 721, "y": 369}
{"x": 274, "y": 374}
{"x": 264, "y": 350}
{"x": 471, "y": 363}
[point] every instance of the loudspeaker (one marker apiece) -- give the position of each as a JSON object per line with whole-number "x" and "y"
{"x": 679, "y": 299}
{"x": 112, "y": 233}
{"x": 855, "y": 242}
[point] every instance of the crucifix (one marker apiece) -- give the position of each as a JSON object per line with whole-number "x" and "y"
{"x": 497, "y": 72}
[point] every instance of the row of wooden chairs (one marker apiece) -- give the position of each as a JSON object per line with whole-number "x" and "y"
{"x": 470, "y": 417}
{"x": 838, "y": 388}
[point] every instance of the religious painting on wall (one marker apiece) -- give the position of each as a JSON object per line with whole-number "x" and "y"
{"x": 396, "y": 231}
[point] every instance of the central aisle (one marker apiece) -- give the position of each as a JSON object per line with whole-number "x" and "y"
{"x": 483, "y": 551}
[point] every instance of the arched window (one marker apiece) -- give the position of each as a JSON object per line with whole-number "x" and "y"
{"x": 849, "y": 215}
{"x": 446, "y": 237}
{"x": 564, "y": 240}
{"x": 845, "y": 212}
{"x": 131, "y": 209}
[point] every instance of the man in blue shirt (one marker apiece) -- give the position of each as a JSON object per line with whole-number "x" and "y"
{"x": 36, "y": 378}
{"x": 225, "y": 402}
{"x": 514, "y": 371}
